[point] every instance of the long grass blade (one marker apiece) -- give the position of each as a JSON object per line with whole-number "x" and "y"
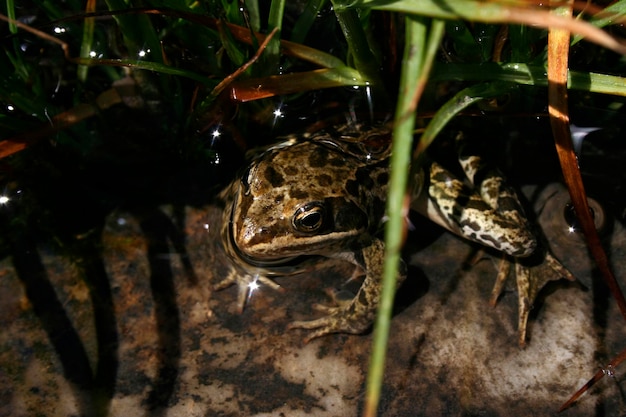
{"x": 524, "y": 74}
{"x": 274, "y": 22}
{"x": 419, "y": 53}
{"x": 492, "y": 12}
{"x": 87, "y": 41}
{"x": 558, "y": 50}
{"x": 454, "y": 106}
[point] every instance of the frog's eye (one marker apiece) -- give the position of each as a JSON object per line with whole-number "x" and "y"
{"x": 309, "y": 218}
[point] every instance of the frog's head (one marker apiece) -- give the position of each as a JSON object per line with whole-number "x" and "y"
{"x": 296, "y": 201}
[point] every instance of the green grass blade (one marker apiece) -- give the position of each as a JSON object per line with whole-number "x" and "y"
{"x": 364, "y": 59}
{"x": 140, "y": 37}
{"x": 529, "y": 75}
{"x": 276, "y": 85}
{"x": 306, "y": 19}
{"x": 87, "y": 41}
{"x": 16, "y": 57}
{"x": 610, "y": 14}
{"x": 452, "y": 107}
{"x": 312, "y": 55}
{"x": 254, "y": 13}
{"x": 419, "y": 53}
{"x": 272, "y": 52}
{"x": 150, "y": 66}
{"x": 11, "y": 15}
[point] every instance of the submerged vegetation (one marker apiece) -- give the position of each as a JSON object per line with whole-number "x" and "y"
{"x": 121, "y": 103}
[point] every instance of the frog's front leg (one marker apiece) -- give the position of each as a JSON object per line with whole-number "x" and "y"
{"x": 357, "y": 315}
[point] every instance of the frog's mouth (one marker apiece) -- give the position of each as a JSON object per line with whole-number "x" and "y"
{"x": 285, "y": 265}
{"x": 276, "y": 264}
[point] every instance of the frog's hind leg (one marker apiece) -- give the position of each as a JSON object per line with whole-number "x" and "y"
{"x": 531, "y": 275}
{"x": 457, "y": 207}
{"x": 488, "y": 211}
{"x": 533, "y": 269}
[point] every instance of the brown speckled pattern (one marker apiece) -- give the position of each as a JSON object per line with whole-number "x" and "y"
{"x": 323, "y": 194}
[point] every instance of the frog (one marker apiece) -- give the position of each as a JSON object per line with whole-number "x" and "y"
{"x": 322, "y": 195}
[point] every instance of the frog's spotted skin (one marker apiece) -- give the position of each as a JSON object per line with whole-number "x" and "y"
{"x": 458, "y": 208}
{"x": 324, "y": 195}
{"x": 488, "y": 212}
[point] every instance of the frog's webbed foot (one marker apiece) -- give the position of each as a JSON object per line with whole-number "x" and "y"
{"x": 532, "y": 275}
{"x": 347, "y": 317}
{"x": 247, "y": 284}
{"x": 354, "y": 314}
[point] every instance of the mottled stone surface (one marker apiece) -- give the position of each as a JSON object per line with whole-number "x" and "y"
{"x": 151, "y": 338}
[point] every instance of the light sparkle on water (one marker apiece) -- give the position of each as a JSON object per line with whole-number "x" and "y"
{"x": 253, "y": 286}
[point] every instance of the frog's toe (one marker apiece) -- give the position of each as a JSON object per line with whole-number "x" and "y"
{"x": 531, "y": 278}
{"x": 498, "y": 286}
{"x": 249, "y": 285}
{"x": 326, "y": 309}
{"x": 230, "y": 279}
{"x": 338, "y": 320}
{"x": 246, "y": 286}
{"x": 322, "y": 327}
{"x": 531, "y": 275}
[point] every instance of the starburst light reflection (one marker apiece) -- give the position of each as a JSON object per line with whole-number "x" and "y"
{"x": 278, "y": 114}
{"x": 253, "y": 286}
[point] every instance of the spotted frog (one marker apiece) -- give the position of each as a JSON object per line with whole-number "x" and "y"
{"x": 323, "y": 195}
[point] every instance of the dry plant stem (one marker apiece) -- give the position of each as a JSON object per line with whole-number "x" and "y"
{"x": 587, "y": 8}
{"x": 226, "y": 81}
{"x": 257, "y": 88}
{"x": 42, "y": 35}
{"x": 558, "y": 49}
{"x": 505, "y": 12}
{"x": 532, "y": 17}
{"x": 598, "y": 376}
